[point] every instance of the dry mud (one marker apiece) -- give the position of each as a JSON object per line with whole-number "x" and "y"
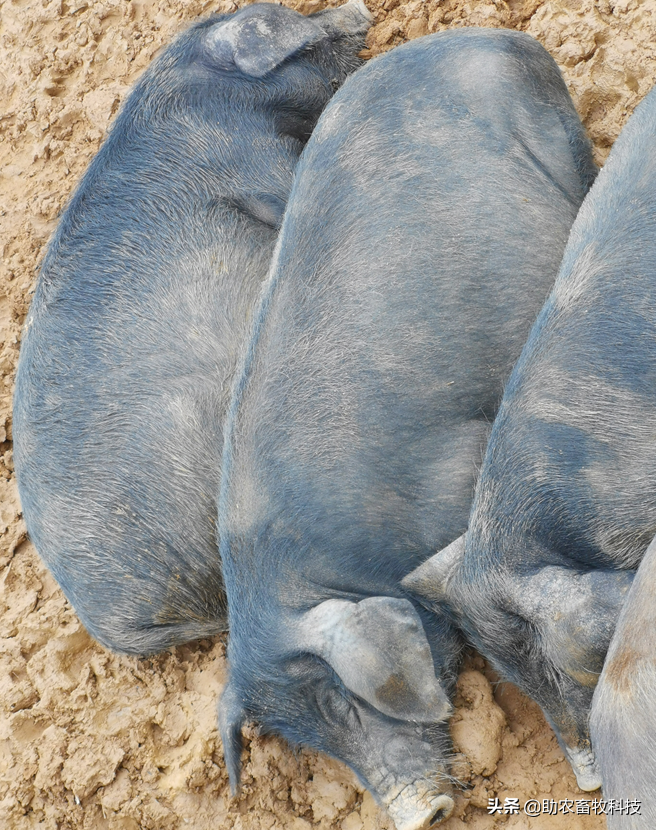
{"x": 92, "y": 740}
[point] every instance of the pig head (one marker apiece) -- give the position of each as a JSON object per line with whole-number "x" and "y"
{"x": 546, "y": 629}
{"x": 356, "y": 680}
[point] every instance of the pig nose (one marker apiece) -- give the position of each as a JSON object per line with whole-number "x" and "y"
{"x": 415, "y": 808}
{"x": 358, "y": 5}
{"x": 444, "y": 808}
{"x": 353, "y": 16}
{"x": 585, "y": 768}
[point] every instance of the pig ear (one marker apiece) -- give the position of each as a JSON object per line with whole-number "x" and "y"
{"x": 259, "y": 39}
{"x": 380, "y": 652}
{"x": 574, "y": 613}
{"x": 231, "y": 719}
{"x": 431, "y": 579}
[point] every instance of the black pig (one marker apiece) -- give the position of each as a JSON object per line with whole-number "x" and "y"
{"x": 623, "y": 718}
{"x": 426, "y": 223}
{"x": 565, "y": 506}
{"x": 144, "y": 300}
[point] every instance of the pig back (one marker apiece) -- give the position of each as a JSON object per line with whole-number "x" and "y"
{"x": 426, "y": 224}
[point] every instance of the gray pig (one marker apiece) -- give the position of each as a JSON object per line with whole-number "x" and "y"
{"x": 428, "y": 216}
{"x": 566, "y": 501}
{"x": 623, "y": 719}
{"x": 143, "y": 302}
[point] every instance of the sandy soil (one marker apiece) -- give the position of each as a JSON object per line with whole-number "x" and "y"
{"x": 92, "y": 740}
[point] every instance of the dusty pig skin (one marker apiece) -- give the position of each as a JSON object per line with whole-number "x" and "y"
{"x": 425, "y": 227}
{"x": 623, "y": 718}
{"x": 143, "y": 302}
{"x": 565, "y": 506}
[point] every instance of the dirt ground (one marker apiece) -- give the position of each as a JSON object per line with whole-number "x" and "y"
{"x": 92, "y": 740}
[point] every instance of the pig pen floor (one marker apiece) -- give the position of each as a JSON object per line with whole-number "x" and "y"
{"x": 92, "y": 740}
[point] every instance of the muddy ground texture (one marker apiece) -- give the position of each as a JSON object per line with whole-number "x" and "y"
{"x": 92, "y": 740}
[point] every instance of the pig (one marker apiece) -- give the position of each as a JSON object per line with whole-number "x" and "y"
{"x": 144, "y": 300}
{"x": 623, "y": 716}
{"x": 565, "y": 505}
{"x": 425, "y": 227}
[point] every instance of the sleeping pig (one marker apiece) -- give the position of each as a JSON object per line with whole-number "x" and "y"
{"x": 425, "y": 227}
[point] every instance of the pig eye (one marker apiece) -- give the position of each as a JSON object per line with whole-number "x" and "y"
{"x": 334, "y": 704}
{"x": 295, "y": 123}
{"x": 333, "y": 700}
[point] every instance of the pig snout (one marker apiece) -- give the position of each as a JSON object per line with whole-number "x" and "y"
{"x": 415, "y": 799}
{"x": 417, "y": 806}
{"x": 585, "y": 768}
{"x": 353, "y": 17}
